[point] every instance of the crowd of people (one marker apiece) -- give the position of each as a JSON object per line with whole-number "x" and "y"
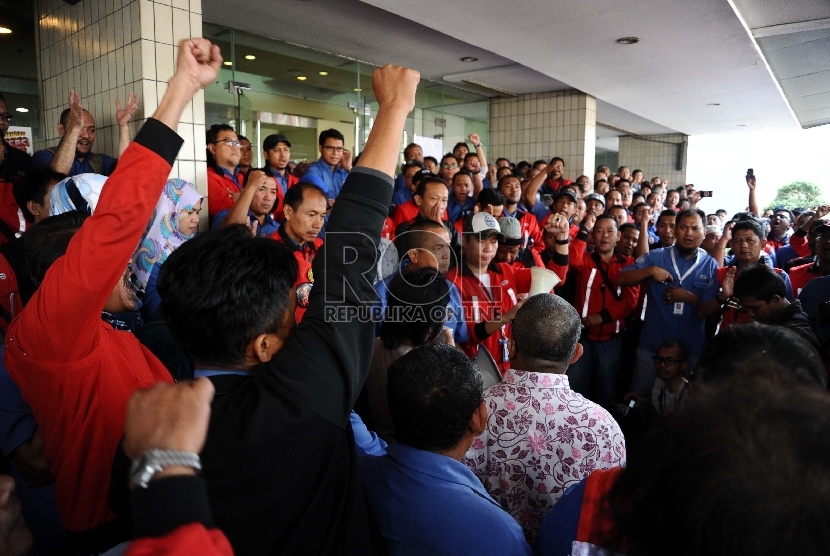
{"x": 390, "y": 353}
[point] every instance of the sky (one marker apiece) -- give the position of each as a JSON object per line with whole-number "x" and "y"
{"x": 718, "y": 163}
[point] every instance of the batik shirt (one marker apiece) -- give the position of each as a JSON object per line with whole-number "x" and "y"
{"x": 541, "y": 438}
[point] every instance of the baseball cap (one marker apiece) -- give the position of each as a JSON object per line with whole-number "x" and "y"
{"x": 511, "y": 229}
{"x": 273, "y": 140}
{"x": 483, "y": 224}
{"x": 568, "y": 193}
{"x": 595, "y": 197}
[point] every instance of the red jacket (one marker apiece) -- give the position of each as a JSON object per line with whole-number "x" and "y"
{"x": 593, "y": 296}
{"x": 404, "y": 213}
{"x": 10, "y": 302}
{"x": 734, "y": 316}
{"x": 74, "y": 370}
{"x": 305, "y": 277}
{"x": 479, "y": 305}
{"x": 10, "y": 213}
{"x": 800, "y": 276}
{"x": 530, "y": 229}
{"x": 219, "y": 186}
{"x": 185, "y": 540}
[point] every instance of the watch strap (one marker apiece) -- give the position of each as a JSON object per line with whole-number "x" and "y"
{"x": 155, "y": 460}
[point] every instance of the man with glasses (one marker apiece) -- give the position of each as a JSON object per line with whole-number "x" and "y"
{"x": 74, "y": 154}
{"x": 670, "y": 387}
{"x": 334, "y": 163}
{"x": 449, "y": 168}
{"x": 15, "y": 163}
{"x": 225, "y": 180}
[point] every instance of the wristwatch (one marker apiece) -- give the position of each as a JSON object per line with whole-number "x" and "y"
{"x": 153, "y": 461}
{"x": 477, "y": 146}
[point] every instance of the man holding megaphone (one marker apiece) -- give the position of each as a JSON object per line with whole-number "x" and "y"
{"x": 492, "y": 292}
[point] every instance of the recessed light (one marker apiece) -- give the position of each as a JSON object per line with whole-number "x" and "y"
{"x": 469, "y": 59}
{"x": 713, "y": 104}
{"x": 250, "y": 57}
{"x": 357, "y": 89}
{"x": 301, "y": 78}
{"x": 228, "y": 63}
{"x": 629, "y": 40}
{"x": 741, "y": 125}
{"x": 324, "y": 73}
{"x": 5, "y": 31}
{"x": 21, "y": 109}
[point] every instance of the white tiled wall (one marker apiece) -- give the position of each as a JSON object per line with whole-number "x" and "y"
{"x": 107, "y": 48}
{"x": 543, "y": 125}
{"x": 655, "y": 155}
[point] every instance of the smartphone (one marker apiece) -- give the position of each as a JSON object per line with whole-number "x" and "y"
{"x": 750, "y": 173}
{"x": 547, "y": 199}
{"x": 704, "y": 194}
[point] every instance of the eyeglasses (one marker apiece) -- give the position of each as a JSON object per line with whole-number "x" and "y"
{"x": 449, "y": 166}
{"x": 333, "y": 149}
{"x": 229, "y": 142}
{"x": 667, "y": 360}
{"x": 7, "y": 117}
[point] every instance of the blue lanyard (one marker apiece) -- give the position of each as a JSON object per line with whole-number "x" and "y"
{"x": 213, "y": 372}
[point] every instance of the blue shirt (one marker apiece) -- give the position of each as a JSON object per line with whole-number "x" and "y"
{"x": 456, "y": 210}
{"x": 428, "y": 503}
{"x": 814, "y": 293}
{"x": 785, "y": 254}
{"x": 44, "y": 158}
{"x": 333, "y": 181}
{"x": 455, "y": 314}
{"x": 151, "y": 302}
{"x": 400, "y": 182}
{"x": 661, "y": 323}
{"x": 402, "y": 196}
{"x": 269, "y": 227}
{"x": 365, "y": 441}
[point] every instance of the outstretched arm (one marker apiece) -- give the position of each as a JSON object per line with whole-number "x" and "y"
{"x": 753, "y": 202}
{"x": 123, "y": 116}
{"x": 63, "y": 158}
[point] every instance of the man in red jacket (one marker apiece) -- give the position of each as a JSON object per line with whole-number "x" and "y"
{"x": 225, "y": 181}
{"x": 491, "y": 291}
{"x": 76, "y": 371}
{"x": 603, "y": 306}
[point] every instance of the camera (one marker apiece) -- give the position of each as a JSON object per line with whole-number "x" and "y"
{"x": 704, "y": 194}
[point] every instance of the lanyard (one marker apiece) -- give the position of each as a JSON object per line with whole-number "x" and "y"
{"x": 677, "y": 270}
{"x": 206, "y": 372}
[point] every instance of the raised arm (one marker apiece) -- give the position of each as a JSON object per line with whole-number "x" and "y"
{"x": 529, "y": 194}
{"x": 123, "y": 116}
{"x": 723, "y": 242}
{"x": 642, "y": 241}
{"x": 238, "y": 213}
{"x": 753, "y": 203}
{"x": 325, "y": 363}
{"x": 65, "y": 156}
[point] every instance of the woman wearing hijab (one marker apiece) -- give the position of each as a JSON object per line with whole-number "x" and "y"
{"x": 174, "y": 222}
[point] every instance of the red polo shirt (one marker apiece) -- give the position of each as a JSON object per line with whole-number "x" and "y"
{"x": 219, "y": 187}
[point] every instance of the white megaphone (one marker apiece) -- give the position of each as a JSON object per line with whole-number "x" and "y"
{"x": 542, "y": 280}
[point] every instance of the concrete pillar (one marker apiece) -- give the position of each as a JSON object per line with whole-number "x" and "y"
{"x": 107, "y": 48}
{"x": 543, "y": 125}
{"x": 656, "y": 156}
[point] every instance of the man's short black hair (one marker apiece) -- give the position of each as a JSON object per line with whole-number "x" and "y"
{"x": 220, "y": 290}
{"x": 469, "y": 156}
{"x": 213, "y": 132}
{"x": 682, "y": 350}
{"x": 726, "y": 475}
{"x": 461, "y": 144}
{"x": 635, "y": 171}
{"x": 499, "y": 159}
{"x": 539, "y": 162}
{"x": 433, "y": 392}
{"x": 432, "y": 159}
{"x": 490, "y": 196}
{"x": 422, "y": 185}
{"x": 408, "y": 148}
{"x": 628, "y": 226}
{"x": 784, "y": 210}
{"x": 689, "y": 213}
{"x": 546, "y": 329}
{"x": 416, "y": 303}
{"x": 752, "y": 224}
{"x": 417, "y": 235}
{"x": 462, "y": 172}
{"x": 560, "y": 159}
{"x": 503, "y": 179}
{"x": 48, "y": 241}
{"x": 622, "y": 181}
{"x": 763, "y": 348}
{"x": 760, "y": 282}
{"x": 607, "y": 216}
{"x": 330, "y": 134}
{"x": 412, "y": 164}
{"x": 666, "y": 214}
{"x": 34, "y": 187}
{"x": 296, "y": 194}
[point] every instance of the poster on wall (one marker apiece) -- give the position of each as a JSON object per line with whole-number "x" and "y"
{"x": 20, "y": 138}
{"x": 431, "y": 146}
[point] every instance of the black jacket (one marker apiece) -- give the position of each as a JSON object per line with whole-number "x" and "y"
{"x": 794, "y": 318}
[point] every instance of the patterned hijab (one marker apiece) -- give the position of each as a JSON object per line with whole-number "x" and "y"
{"x": 79, "y": 192}
{"x": 162, "y": 236}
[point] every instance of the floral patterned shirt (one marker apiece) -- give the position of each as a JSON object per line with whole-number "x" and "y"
{"x": 541, "y": 438}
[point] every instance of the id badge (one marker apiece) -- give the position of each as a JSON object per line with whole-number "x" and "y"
{"x": 678, "y": 309}
{"x": 505, "y": 353}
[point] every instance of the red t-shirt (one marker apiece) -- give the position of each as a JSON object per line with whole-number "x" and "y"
{"x": 75, "y": 371}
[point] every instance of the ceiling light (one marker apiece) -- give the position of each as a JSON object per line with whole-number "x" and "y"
{"x": 5, "y": 31}
{"x": 301, "y": 78}
{"x": 713, "y": 104}
{"x": 469, "y": 59}
{"x": 741, "y": 125}
{"x": 21, "y": 109}
{"x": 324, "y": 73}
{"x": 629, "y": 40}
{"x": 357, "y": 90}
{"x": 228, "y": 63}
{"x": 250, "y": 57}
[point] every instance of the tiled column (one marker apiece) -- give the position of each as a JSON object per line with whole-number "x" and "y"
{"x": 543, "y": 125}
{"x": 655, "y": 155}
{"x": 107, "y": 48}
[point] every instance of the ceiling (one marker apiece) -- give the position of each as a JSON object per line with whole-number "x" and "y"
{"x": 795, "y": 39}
{"x": 691, "y": 54}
